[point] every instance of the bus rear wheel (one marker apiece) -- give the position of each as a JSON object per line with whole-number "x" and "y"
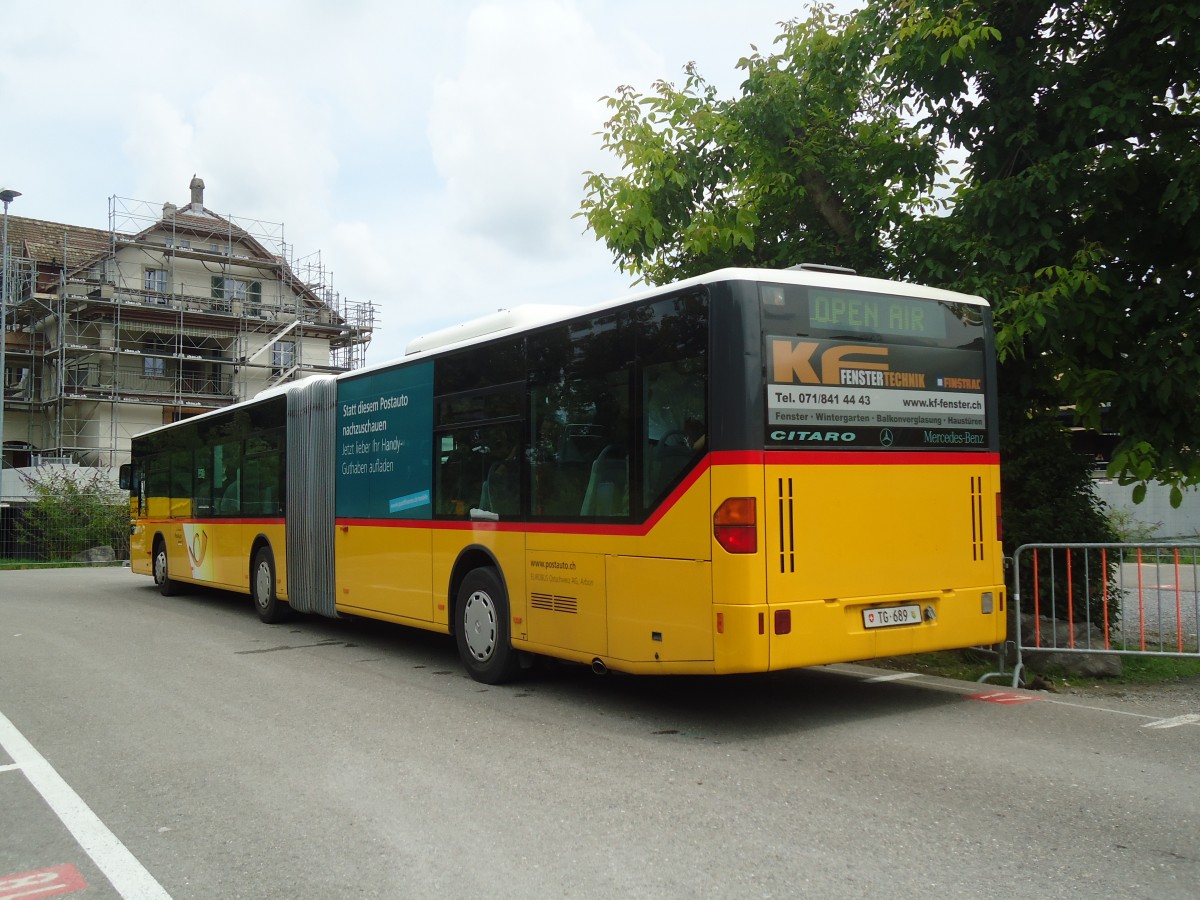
{"x": 162, "y": 576}
{"x": 482, "y": 628}
{"x": 262, "y": 587}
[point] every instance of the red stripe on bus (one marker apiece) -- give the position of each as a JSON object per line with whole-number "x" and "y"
{"x": 882, "y": 458}
{"x": 518, "y": 525}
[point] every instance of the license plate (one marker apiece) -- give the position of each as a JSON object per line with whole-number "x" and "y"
{"x": 887, "y": 616}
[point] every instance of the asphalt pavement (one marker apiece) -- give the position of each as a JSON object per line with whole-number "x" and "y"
{"x": 178, "y": 745}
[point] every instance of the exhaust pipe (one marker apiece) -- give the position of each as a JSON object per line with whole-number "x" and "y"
{"x": 599, "y": 667}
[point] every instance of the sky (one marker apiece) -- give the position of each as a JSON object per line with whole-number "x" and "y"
{"x": 432, "y": 153}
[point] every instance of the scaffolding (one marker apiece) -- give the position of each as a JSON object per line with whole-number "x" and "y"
{"x": 170, "y": 311}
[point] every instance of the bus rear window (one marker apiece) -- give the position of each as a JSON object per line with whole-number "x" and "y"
{"x": 850, "y": 369}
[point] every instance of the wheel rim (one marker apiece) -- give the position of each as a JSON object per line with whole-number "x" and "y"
{"x": 479, "y": 625}
{"x": 262, "y": 585}
{"x": 160, "y": 567}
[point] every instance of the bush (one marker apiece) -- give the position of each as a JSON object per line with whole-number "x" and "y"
{"x": 73, "y": 511}
{"x": 1047, "y": 498}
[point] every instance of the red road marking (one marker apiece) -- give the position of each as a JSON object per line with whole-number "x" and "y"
{"x": 52, "y": 882}
{"x": 1003, "y": 697}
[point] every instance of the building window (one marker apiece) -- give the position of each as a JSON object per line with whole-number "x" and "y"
{"x": 283, "y": 356}
{"x": 226, "y": 290}
{"x": 77, "y": 377}
{"x": 156, "y": 285}
{"x": 154, "y": 366}
{"x": 16, "y": 381}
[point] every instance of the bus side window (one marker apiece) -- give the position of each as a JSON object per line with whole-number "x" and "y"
{"x": 673, "y": 351}
{"x": 181, "y": 484}
{"x": 580, "y": 418}
{"x": 674, "y": 422}
{"x": 453, "y": 465}
{"x": 501, "y": 488}
{"x": 202, "y": 479}
{"x": 477, "y": 419}
{"x": 158, "y": 485}
{"x": 262, "y": 468}
{"x": 607, "y": 492}
{"x": 563, "y": 452}
{"x": 480, "y": 468}
{"x": 580, "y": 461}
{"x": 227, "y": 476}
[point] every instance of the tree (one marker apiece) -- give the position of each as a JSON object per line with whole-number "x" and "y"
{"x": 1075, "y": 207}
{"x": 1078, "y": 211}
{"x": 810, "y": 164}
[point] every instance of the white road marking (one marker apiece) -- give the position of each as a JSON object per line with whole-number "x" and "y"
{"x": 130, "y": 878}
{"x": 967, "y": 687}
{"x": 1185, "y": 719}
{"x": 1103, "y": 709}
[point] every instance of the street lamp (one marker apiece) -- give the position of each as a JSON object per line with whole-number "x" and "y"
{"x": 7, "y": 195}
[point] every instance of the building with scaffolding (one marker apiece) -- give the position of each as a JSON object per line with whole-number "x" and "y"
{"x": 169, "y": 312}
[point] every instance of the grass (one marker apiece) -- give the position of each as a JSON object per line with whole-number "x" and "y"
{"x": 969, "y": 665}
{"x": 1154, "y": 669}
{"x": 965, "y": 665}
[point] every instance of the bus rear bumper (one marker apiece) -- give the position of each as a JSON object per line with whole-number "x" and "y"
{"x": 770, "y": 637}
{"x": 812, "y": 633}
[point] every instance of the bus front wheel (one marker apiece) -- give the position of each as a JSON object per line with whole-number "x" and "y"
{"x": 162, "y": 576}
{"x": 482, "y": 628}
{"x": 262, "y": 586}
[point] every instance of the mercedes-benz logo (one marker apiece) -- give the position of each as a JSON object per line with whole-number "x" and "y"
{"x": 886, "y": 437}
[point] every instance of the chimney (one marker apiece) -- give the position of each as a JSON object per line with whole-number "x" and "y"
{"x": 197, "y": 187}
{"x": 169, "y": 210}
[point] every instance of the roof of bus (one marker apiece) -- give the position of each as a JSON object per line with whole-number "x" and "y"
{"x": 519, "y": 318}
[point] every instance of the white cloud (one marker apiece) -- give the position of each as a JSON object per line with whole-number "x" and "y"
{"x": 158, "y": 145}
{"x": 268, "y": 148}
{"x": 512, "y": 130}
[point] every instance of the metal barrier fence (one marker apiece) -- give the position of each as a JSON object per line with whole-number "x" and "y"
{"x": 63, "y": 530}
{"x": 1107, "y": 599}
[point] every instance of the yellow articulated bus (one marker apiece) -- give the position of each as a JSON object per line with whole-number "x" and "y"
{"x": 747, "y": 471}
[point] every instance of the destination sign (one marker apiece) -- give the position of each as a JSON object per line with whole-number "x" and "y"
{"x": 857, "y": 313}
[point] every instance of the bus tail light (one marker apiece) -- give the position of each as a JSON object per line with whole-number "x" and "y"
{"x": 735, "y": 525}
